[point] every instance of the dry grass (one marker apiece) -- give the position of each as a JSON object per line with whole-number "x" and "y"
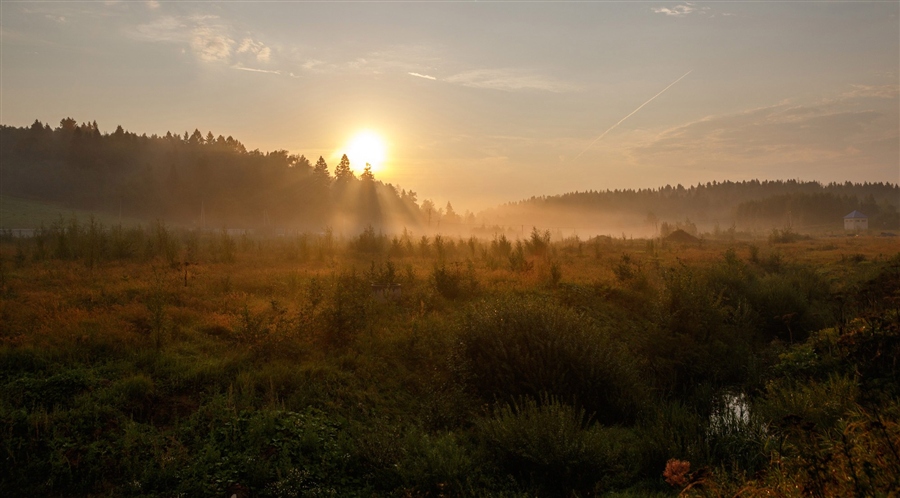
{"x": 271, "y": 333}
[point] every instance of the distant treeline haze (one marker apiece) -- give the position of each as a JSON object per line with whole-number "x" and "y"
{"x": 749, "y": 206}
{"x": 211, "y": 180}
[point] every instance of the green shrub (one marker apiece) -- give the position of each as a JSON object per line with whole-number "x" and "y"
{"x": 555, "y": 273}
{"x": 552, "y": 447}
{"x": 73, "y": 451}
{"x": 453, "y": 284}
{"x": 671, "y": 429}
{"x": 274, "y": 451}
{"x": 821, "y": 404}
{"x": 626, "y": 269}
{"x": 699, "y": 337}
{"x": 517, "y": 261}
{"x": 786, "y": 235}
{"x": 56, "y": 390}
{"x": 528, "y": 346}
{"x": 346, "y": 313}
{"x": 538, "y": 242}
{"x": 501, "y": 247}
{"x": 134, "y": 395}
{"x": 436, "y": 465}
{"x": 17, "y": 361}
{"x": 370, "y": 242}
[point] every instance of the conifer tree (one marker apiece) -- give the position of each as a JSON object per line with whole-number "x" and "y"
{"x": 343, "y": 172}
{"x": 320, "y": 172}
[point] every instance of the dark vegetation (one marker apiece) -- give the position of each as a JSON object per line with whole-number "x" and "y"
{"x": 194, "y": 180}
{"x": 198, "y": 180}
{"x": 722, "y": 209}
{"x": 153, "y": 361}
{"x": 190, "y": 361}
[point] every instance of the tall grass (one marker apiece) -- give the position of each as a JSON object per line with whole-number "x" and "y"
{"x": 528, "y": 347}
{"x": 156, "y": 360}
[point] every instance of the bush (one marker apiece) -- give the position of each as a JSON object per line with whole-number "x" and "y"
{"x": 370, "y": 242}
{"x": 553, "y": 447}
{"x": 701, "y": 337}
{"x": 517, "y": 261}
{"x": 275, "y": 451}
{"x": 346, "y": 313}
{"x": 436, "y": 465}
{"x": 527, "y": 346}
{"x": 539, "y": 243}
{"x": 135, "y": 395}
{"x": 671, "y": 430}
{"x": 786, "y": 235}
{"x": 454, "y": 284}
{"x": 57, "y": 390}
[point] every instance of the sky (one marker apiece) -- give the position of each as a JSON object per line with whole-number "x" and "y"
{"x": 481, "y": 103}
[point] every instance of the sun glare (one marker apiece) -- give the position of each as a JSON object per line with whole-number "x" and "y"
{"x": 365, "y": 147}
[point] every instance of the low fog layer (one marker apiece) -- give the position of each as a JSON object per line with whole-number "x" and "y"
{"x": 213, "y": 182}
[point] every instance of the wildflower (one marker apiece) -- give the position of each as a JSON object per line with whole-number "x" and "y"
{"x": 676, "y": 472}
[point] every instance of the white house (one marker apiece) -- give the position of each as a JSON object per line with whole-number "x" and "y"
{"x": 856, "y": 221}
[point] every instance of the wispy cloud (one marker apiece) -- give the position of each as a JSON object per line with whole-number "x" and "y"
{"x": 391, "y": 59}
{"x": 313, "y": 65}
{"x": 209, "y": 38}
{"x": 163, "y": 29}
{"x": 427, "y": 77}
{"x": 676, "y": 11}
{"x": 211, "y": 44}
{"x": 834, "y": 130}
{"x": 153, "y": 4}
{"x": 256, "y": 70}
{"x": 255, "y": 48}
{"x": 418, "y": 61}
{"x": 507, "y": 80}
{"x": 412, "y": 60}
{"x": 879, "y": 91}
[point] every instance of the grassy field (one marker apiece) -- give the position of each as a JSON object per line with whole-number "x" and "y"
{"x": 157, "y": 362}
{"x": 17, "y": 212}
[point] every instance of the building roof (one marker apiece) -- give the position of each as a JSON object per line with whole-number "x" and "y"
{"x": 681, "y": 237}
{"x": 855, "y": 214}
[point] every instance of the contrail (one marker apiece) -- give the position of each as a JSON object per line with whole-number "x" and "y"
{"x": 611, "y": 128}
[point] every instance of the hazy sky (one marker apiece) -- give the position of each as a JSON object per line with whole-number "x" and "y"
{"x": 484, "y": 102}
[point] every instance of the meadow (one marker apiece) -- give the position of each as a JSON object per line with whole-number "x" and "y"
{"x": 156, "y": 361}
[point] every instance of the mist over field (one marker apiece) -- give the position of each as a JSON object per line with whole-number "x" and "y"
{"x": 214, "y": 183}
{"x": 449, "y": 249}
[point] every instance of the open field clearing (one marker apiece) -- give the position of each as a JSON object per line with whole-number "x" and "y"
{"x": 20, "y": 213}
{"x": 153, "y": 361}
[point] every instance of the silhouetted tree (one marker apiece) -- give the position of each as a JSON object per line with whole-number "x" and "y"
{"x": 320, "y": 172}
{"x": 450, "y": 215}
{"x": 428, "y": 210}
{"x": 367, "y": 175}
{"x": 370, "y": 212}
{"x": 343, "y": 172}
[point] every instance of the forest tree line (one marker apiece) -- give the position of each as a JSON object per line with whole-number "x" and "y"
{"x": 214, "y": 181}
{"x": 194, "y": 179}
{"x": 747, "y": 205}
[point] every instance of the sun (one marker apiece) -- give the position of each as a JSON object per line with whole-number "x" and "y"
{"x": 365, "y": 147}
